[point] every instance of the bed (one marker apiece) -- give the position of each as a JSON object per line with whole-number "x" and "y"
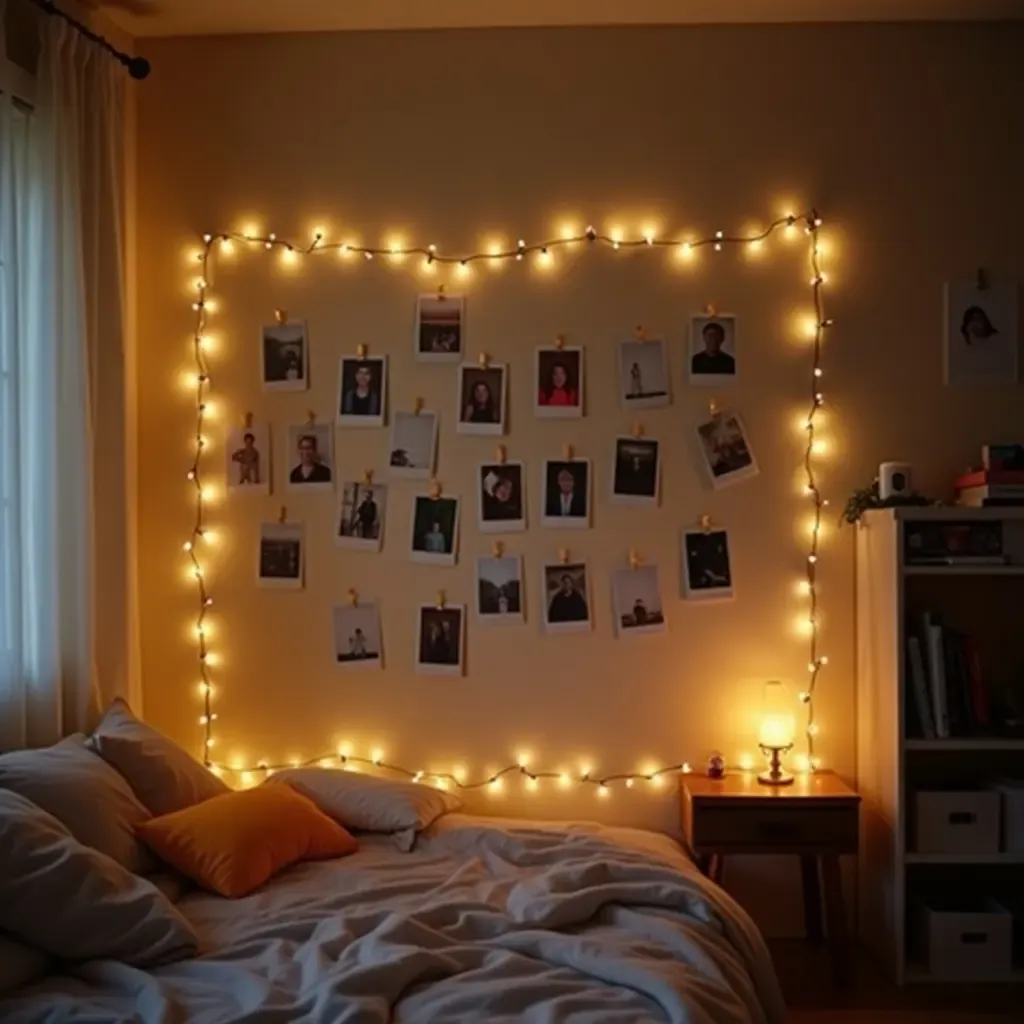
{"x": 486, "y": 919}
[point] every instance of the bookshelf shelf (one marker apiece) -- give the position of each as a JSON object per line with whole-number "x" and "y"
{"x": 920, "y": 973}
{"x": 966, "y": 743}
{"x": 964, "y": 858}
{"x": 963, "y": 570}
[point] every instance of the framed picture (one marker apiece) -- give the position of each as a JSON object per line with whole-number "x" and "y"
{"x": 502, "y": 497}
{"x": 558, "y": 383}
{"x": 281, "y": 561}
{"x": 357, "y": 639}
{"x": 566, "y": 598}
{"x": 362, "y": 391}
{"x": 440, "y": 640}
{"x": 413, "y": 445}
{"x": 311, "y": 457}
{"x": 982, "y": 333}
{"x": 439, "y": 328}
{"x": 725, "y": 449}
{"x": 247, "y": 459}
{"x": 481, "y": 399}
{"x": 706, "y": 570}
{"x": 435, "y": 530}
{"x": 566, "y": 494}
{"x": 284, "y": 357}
{"x": 643, "y": 374}
{"x": 636, "y": 597}
{"x": 713, "y": 350}
{"x": 635, "y": 471}
{"x": 499, "y": 591}
{"x": 361, "y": 516}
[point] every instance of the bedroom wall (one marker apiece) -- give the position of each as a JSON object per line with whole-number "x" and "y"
{"x": 902, "y": 135}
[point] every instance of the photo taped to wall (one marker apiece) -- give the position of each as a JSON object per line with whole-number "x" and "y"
{"x": 635, "y": 471}
{"x": 357, "y": 637}
{"x": 643, "y": 374}
{"x": 440, "y": 327}
{"x": 566, "y": 598}
{"x": 482, "y": 392}
{"x": 558, "y": 383}
{"x": 499, "y": 590}
{"x": 413, "y": 445}
{"x": 311, "y": 457}
{"x": 636, "y": 597}
{"x": 361, "y": 516}
{"x": 725, "y": 450}
{"x": 706, "y": 570}
{"x": 284, "y": 357}
{"x": 362, "y": 391}
{"x": 281, "y": 556}
{"x": 247, "y": 457}
{"x": 982, "y": 336}
{"x": 502, "y": 498}
{"x": 440, "y": 640}
{"x": 435, "y": 530}
{"x": 566, "y": 494}
{"x": 713, "y": 349}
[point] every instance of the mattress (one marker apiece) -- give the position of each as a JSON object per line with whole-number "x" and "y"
{"x": 485, "y": 920}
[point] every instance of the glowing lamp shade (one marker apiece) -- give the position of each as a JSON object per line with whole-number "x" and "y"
{"x": 776, "y": 732}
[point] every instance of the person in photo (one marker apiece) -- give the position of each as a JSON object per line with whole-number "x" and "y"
{"x": 284, "y": 356}
{"x": 434, "y": 540}
{"x": 707, "y": 568}
{"x": 975, "y": 326}
{"x": 567, "y": 499}
{"x": 636, "y": 382}
{"x": 725, "y": 447}
{"x": 643, "y": 374}
{"x": 360, "y": 398}
{"x": 357, "y": 645}
{"x": 636, "y": 469}
{"x": 568, "y": 604}
{"x": 439, "y": 327}
{"x": 712, "y": 359}
{"x": 501, "y": 493}
{"x": 636, "y": 594}
{"x": 982, "y": 335}
{"x": 481, "y": 407}
{"x": 247, "y": 458}
{"x": 366, "y": 521}
{"x": 357, "y": 638}
{"x": 558, "y": 389}
{"x": 280, "y": 558}
{"x": 499, "y": 588}
{"x": 440, "y": 639}
{"x": 413, "y": 444}
{"x": 311, "y": 468}
{"x": 434, "y": 529}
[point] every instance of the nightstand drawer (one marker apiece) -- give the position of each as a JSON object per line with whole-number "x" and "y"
{"x": 768, "y": 828}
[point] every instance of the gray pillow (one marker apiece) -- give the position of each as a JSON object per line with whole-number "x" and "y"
{"x": 76, "y": 903}
{"x": 20, "y": 965}
{"x": 84, "y": 793}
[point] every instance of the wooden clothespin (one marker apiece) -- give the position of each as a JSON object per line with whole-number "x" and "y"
{"x": 367, "y": 477}
{"x": 440, "y": 293}
{"x": 982, "y": 282}
{"x": 713, "y": 407}
{"x": 353, "y": 597}
{"x": 640, "y": 333}
{"x": 361, "y": 351}
{"x": 559, "y": 341}
{"x": 434, "y": 490}
{"x": 483, "y": 359}
{"x": 282, "y": 516}
{"x": 634, "y": 559}
{"x": 705, "y": 523}
{"x": 310, "y": 417}
{"x": 498, "y": 548}
{"x": 440, "y": 600}
{"x": 247, "y": 420}
{"x": 280, "y": 315}
{"x": 710, "y": 310}
{"x": 638, "y": 430}
{"x": 417, "y": 406}
{"x": 563, "y": 556}
{"x": 499, "y": 455}
{"x": 567, "y": 452}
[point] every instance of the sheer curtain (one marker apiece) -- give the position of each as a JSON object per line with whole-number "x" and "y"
{"x": 65, "y": 570}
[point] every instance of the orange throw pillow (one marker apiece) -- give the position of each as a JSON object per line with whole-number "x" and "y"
{"x": 232, "y": 843}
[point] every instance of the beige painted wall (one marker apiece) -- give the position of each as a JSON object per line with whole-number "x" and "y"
{"x": 905, "y": 137}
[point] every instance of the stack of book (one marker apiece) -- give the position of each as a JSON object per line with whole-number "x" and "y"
{"x": 990, "y": 487}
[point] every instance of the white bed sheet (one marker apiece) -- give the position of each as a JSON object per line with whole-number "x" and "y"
{"x": 487, "y": 920}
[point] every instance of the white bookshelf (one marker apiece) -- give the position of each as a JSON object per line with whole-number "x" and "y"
{"x": 890, "y": 766}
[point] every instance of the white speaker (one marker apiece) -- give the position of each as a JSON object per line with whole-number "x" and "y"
{"x": 894, "y": 480}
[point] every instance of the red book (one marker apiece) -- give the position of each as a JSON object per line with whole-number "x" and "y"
{"x": 990, "y": 478}
{"x": 977, "y": 688}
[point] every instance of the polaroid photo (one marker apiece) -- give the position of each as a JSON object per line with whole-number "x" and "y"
{"x": 281, "y": 558}
{"x": 636, "y": 597}
{"x": 361, "y": 516}
{"x": 725, "y": 449}
{"x": 440, "y": 327}
{"x": 362, "y": 391}
{"x": 284, "y": 357}
{"x": 499, "y": 591}
{"x": 440, "y": 640}
{"x": 558, "y": 383}
{"x": 413, "y": 445}
{"x": 982, "y": 336}
{"x": 435, "y": 530}
{"x": 565, "y": 494}
{"x": 713, "y": 350}
{"x": 502, "y": 497}
{"x": 706, "y": 570}
{"x": 357, "y": 639}
{"x": 247, "y": 458}
{"x": 311, "y": 457}
{"x": 635, "y": 471}
{"x": 482, "y": 399}
{"x": 566, "y": 599}
{"x": 643, "y": 374}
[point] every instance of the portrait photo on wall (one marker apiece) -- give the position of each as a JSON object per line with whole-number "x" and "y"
{"x": 565, "y": 495}
{"x": 413, "y": 445}
{"x": 439, "y": 328}
{"x": 566, "y": 598}
{"x": 636, "y": 598}
{"x": 247, "y": 454}
{"x": 706, "y": 571}
{"x": 502, "y": 505}
{"x": 435, "y": 530}
{"x": 982, "y": 336}
{"x": 440, "y": 640}
{"x": 284, "y": 357}
{"x": 559, "y": 383}
{"x": 357, "y": 640}
{"x": 635, "y": 471}
{"x": 499, "y": 590}
{"x": 361, "y": 391}
{"x": 643, "y": 374}
{"x": 361, "y": 516}
{"x": 712, "y": 349}
{"x": 725, "y": 450}
{"x": 281, "y": 558}
{"x": 481, "y": 399}
{"x": 311, "y": 457}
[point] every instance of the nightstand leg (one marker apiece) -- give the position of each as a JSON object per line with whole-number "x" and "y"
{"x": 835, "y": 914}
{"x": 812, "y": 897}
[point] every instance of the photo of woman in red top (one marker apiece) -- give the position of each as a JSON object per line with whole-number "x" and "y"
{"x": 559, "y": 380}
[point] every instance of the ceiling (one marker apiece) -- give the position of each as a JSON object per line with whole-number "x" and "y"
{"x": 216, "y": 17}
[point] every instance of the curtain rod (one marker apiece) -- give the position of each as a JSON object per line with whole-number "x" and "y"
{"x": 138, "y": 67}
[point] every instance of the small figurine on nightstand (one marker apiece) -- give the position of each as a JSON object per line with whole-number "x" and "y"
{"x": 716, "y": 765}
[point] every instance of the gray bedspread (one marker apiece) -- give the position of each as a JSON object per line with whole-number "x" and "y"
{"x": 486, "y": 920}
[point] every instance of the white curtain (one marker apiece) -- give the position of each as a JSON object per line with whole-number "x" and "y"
{"x": 65, "y": 566}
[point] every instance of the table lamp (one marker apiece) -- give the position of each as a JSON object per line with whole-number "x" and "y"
{"x": 776, "y": 734}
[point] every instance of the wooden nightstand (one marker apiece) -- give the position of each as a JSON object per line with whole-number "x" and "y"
{"x": 816, "y": 818}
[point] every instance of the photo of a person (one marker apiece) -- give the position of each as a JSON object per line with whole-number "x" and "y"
{"x": 499, "y": 590}
{"x": 502, "y": 506}
{"x": 559, "y": 377}
{"x": 435, "y": 529}
{"x": 283, "y": 355}
{"x": 357, "y": 639}
{"x": 248, "y": 459}
{"x": 982, "y": 338}
{"x": 280, "y": 557}
{"x": 439, "y": 640}
{"x": 312, "y": 445}
{"x": 566, "y": 494}
{"x": 481, "y": 399}
{"x": 413, "y": 446}
{"x": 725, "y": 449}
{"x": 361, "y": 516}
{"x": 439, "y": 328}
{"x": 566, "y": 601}
{"x": 643, "y": 374}
{"x": 361, "y": 390}
{"x": 636, "y": 596}
{"x": 712, "y": 349}
{"x": 635, "y": 471}
{"x": 706, "y": 571}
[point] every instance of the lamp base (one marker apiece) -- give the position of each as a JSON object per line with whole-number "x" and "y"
{"x": 775, "y": 775}
{"x": 771, "y": 778}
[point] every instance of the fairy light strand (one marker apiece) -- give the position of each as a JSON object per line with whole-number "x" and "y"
{"x": 431, "y": 256}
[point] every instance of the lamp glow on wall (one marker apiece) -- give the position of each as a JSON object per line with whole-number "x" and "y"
{"x": 776, "y": 732}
